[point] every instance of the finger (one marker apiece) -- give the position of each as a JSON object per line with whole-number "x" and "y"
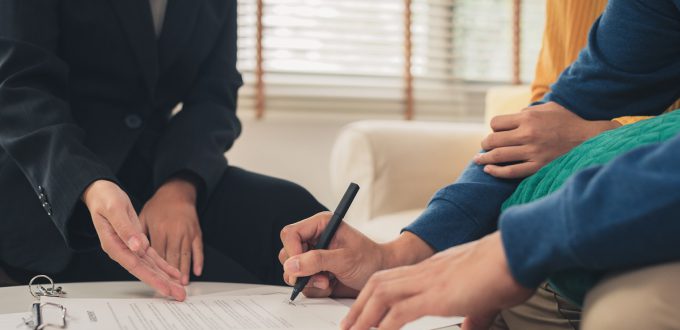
{"x": 515, "y": 171}
{"x": 143, "y": 223}
{"x": 119, "y": 252}
{"x": 283, "y": 256}
{"x": 177, "y": 291}
{"x": 505, "y": 122}
{"x": 405, "y": 311}
{"x": 479, "y": 321}
{"x": 320, "y": 286}
{"x": 316, "y": 261}
{"x": 294, "y": 235}
{"x": 319, "y": 281}
{"x": 317, "y": 293}
{"x": 158, "y": 243}
{"x": 503, "y": 139}
{"x": 376, "y": 288}
{"x": 167, "y": 271}
{"x": 387, "y": 294}
{"x": 124, "y": 222}
{"x": 173, "y": 252}
{"x": 197, "y": 255}
{"x": 173, "y": 272}
{"x": 360, "y": 302}
{"x": 503, "y": 155}
{"x": 185, "y": 260}
{"x": 372, "y": 312}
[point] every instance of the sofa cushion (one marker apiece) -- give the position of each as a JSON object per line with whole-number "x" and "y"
{"x": 388, "y": 227}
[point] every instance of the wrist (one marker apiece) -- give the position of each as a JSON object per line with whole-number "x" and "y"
{"x": 93, "y": 190}
{"x": 408, "y": 249}
{"x": 179, "y": 189}
{"x": 601, "y": 126}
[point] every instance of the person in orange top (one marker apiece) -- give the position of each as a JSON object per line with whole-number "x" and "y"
{"x": 565, "y": 34}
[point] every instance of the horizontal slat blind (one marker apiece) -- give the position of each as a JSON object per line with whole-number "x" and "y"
{"x": 348, "y": 55}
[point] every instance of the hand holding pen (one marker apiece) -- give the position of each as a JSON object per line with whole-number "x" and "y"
{"x": 340, "y": 270}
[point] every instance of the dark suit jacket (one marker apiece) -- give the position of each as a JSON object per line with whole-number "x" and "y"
{"x": 85, "y": 86}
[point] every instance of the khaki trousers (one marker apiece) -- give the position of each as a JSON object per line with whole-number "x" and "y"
{"x": 646, "y": 298}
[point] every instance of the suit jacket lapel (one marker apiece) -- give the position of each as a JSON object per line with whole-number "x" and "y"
{"x": 135, "y": 16}
{"x": 178, "y": 27}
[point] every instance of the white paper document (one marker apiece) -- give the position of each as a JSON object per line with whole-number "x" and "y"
{"x": 13, "y": 321}
{"x": 257, "y": 308}
{"x": 270, "y": 311}
{"x": 425, "y": 323}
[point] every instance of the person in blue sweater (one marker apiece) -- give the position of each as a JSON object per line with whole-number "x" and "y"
{"x": 622, "y": 215}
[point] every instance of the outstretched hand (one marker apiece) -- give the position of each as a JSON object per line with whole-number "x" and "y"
{"x": 122, "y": 238}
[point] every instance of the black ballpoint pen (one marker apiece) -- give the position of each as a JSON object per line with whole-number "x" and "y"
{"x": 329, "y": 232}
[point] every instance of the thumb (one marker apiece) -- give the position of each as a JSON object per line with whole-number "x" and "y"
{"x": 126, "y": 225}
{"x": 316, "y": 261}
{"x": 142, "y": 223}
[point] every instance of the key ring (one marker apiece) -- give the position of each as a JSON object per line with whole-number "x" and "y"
{"x": 38, "y": 290}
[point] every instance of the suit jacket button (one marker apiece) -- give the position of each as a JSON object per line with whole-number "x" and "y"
{"x": 133, "y": 121}
{"x": 47, "y": 207}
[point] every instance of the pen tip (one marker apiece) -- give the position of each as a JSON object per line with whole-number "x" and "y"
{"x": 294, "y": 295}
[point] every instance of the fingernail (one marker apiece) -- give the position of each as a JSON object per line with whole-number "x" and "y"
{"x": 185, "y": 279}
{"x": 486, "y": 169}
{"x": 133, "y": 243}
{"x": 343, "y": 324}
{"x": 293, "y": 265}
{"x": 476, "y": 158}
{"x": 318, "y": 285}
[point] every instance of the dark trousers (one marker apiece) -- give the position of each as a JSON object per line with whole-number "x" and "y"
{"x": 240, "y": 221}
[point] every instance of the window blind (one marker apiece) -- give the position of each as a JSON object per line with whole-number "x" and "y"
{"x": 349, "y": 55}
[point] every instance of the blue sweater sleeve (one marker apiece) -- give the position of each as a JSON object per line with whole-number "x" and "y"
{"x": 464, "y": 211}
{"x": 630, "y": 66}
{"x": 620, "y": 215}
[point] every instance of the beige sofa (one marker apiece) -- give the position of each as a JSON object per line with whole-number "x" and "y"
{"x": 401, "y": 164}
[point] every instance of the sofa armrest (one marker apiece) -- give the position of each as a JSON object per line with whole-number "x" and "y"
{"x": 399, "y": 164}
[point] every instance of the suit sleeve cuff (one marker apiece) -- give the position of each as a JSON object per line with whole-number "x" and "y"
{"x": 67, "y": 209}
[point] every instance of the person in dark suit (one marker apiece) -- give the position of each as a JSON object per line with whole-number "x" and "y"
{"x": 99, "y": 177}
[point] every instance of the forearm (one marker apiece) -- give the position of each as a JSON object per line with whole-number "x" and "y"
{"x": 37, "y": 129}
{"x": 464, "y": 211}
{"x": 620, "y": 215}
{"x": 627, "y": 69}
{"x": 197, "y": 137}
